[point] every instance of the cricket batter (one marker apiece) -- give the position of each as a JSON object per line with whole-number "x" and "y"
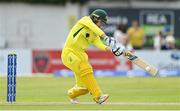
{"x": 87, "y": 31}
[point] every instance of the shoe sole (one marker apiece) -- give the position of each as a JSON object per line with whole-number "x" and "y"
{"x": 104, "y": 100}
{"x": 73, "y": 101}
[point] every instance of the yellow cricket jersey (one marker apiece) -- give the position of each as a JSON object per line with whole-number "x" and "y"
{"x": 83, "y": 34}
{"x": 136, "y": 37}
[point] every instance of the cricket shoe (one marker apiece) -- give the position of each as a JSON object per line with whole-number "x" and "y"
{"x": 74, "y": 101}
{"x": 102, "y": 98}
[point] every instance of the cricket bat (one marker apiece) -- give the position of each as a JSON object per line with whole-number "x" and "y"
{"x": 141, "y": 63}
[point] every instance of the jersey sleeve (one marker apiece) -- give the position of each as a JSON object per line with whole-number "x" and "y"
{"x": 89, "y": 23}
{"x": 99, "y": 44}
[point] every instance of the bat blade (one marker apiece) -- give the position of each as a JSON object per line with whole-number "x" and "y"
{"x": 141, "y": 63}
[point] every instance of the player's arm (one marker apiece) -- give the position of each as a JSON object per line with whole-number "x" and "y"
{"x": 108, "y": 41}
{"x": 99, "y": 44}
{"x": 111, "y": 43}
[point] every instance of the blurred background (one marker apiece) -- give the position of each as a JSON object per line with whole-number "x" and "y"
{"x": 37, "y": 29}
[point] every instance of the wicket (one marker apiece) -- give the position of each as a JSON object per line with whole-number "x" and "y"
{"x": 11, "y": 77}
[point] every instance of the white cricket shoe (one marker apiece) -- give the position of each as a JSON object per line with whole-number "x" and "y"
{"x": 74, "y": 101}
{"x": 102, "y": 98}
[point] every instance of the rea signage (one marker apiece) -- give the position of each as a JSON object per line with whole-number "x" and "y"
{"x": 157, "y": 17}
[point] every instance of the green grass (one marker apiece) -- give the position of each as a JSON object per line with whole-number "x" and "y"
{"x": 48, "y": 93}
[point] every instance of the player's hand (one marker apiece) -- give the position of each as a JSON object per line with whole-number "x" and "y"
{"x": 118, "y": 50}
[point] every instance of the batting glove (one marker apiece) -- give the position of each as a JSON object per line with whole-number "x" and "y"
{"x": 118, "y": 50}
{"x": 109, "y": 41}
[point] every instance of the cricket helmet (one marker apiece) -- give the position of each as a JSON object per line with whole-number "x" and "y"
{"x": 99, "y": 14}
